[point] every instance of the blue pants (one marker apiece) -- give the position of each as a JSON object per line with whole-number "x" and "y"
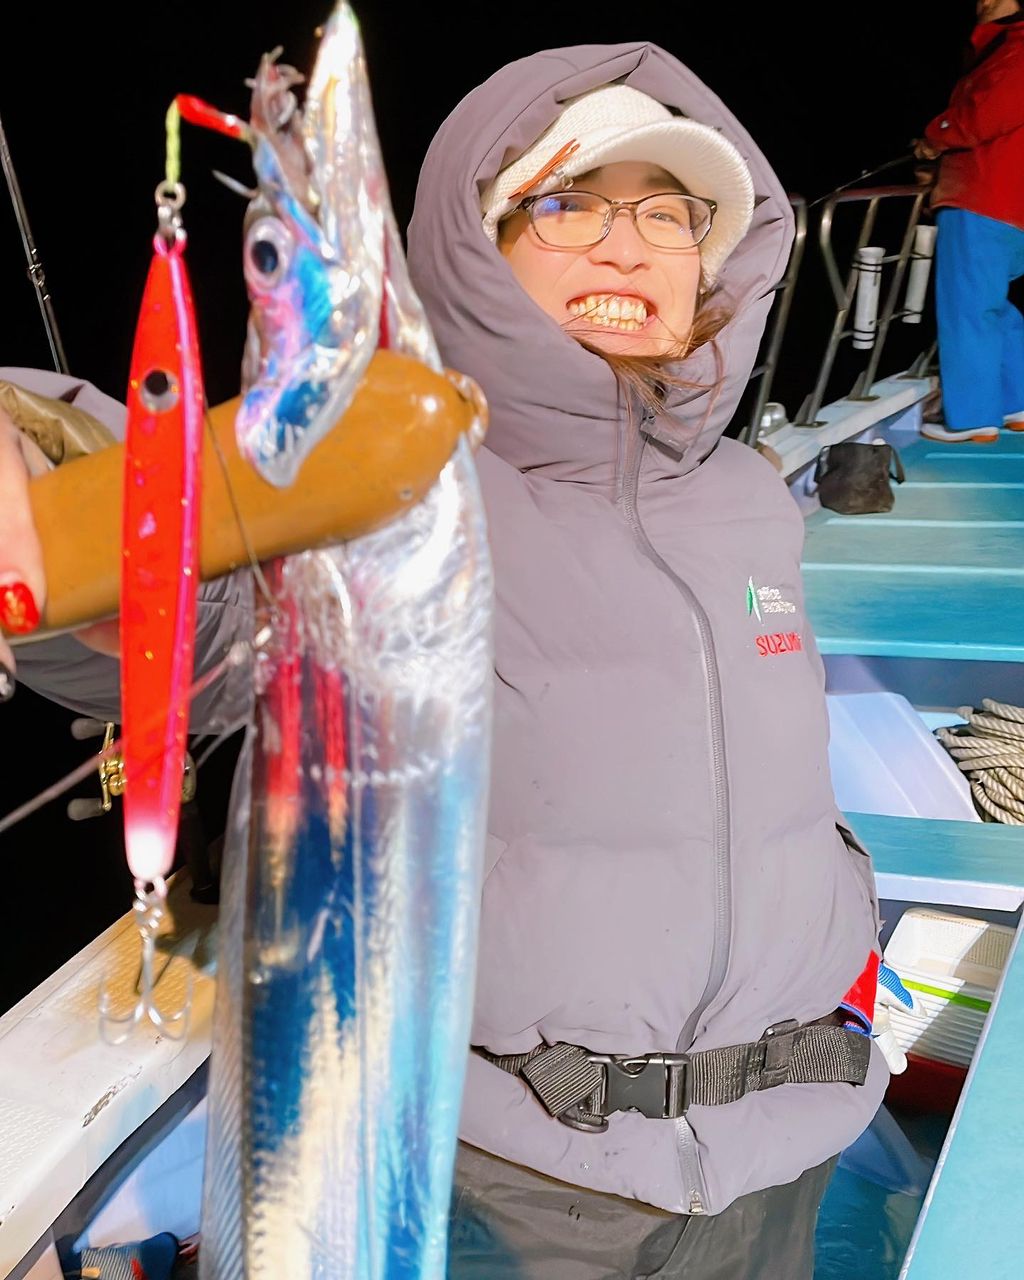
{"x": 981, "y": 333}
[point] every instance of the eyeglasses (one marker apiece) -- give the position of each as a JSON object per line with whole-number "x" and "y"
{"x": 579, "y": 219}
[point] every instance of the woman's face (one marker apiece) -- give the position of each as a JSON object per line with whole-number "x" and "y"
{"x": 623, "y": 295}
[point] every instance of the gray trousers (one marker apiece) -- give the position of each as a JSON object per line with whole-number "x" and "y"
{"x": 510, "y": 1223}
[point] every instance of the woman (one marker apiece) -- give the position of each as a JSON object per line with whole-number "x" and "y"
{"x": 665, "y": 868}
{"x": 596, "y": 240}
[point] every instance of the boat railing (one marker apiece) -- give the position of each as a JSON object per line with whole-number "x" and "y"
{"x": 898, "y": 245}
{"x": 765, "y": 371}
{"x": 858, "y": 290}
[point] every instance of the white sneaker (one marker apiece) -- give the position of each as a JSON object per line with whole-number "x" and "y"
{"x": 1014, "y": 421}
{"x": 980, "y": 435}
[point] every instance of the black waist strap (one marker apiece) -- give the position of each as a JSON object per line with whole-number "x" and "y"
{"x": 582, "y": 1088}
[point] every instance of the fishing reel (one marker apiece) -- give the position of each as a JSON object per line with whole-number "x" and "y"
{"x": 193, "y": 846}
{"x": 111, "y": 772}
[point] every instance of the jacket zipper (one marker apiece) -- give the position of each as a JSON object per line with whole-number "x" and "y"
{"x": 723, "y": 881}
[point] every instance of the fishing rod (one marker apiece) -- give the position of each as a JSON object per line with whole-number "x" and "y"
{"x": 868, "y": 173}
{"x": 35, "y": 266}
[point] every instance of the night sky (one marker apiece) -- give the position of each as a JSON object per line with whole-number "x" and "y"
{"x": 827, "y": 91}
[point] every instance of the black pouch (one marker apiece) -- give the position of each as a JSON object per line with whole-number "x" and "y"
{"x": 854, "y": 478}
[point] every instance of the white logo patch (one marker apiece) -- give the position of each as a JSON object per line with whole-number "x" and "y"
{"x": 765, "y": 600}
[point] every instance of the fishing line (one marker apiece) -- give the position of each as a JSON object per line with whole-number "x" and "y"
{"x": 241, "y": 649}
{"x": 172, "y": 160}
{"x": 868, "y": 173}
{"x": 200, "y": 113}
{"x": 238, "y": 651}
{"x": 235, "y": 656}
{"x": 218, "y": 741}
{"x": 254, "y": 564}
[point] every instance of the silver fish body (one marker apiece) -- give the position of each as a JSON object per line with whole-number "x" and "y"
{"x": 350, "y": 901}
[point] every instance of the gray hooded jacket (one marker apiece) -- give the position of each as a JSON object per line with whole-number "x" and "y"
{"x": 666, "y": 870}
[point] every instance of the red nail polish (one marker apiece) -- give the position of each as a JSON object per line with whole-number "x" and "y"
{"x": 18, "y": 611}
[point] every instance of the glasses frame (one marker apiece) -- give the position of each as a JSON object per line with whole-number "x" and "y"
{"x": 612, "y": 212}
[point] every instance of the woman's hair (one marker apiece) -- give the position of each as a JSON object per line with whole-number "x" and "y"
{"x": 645, "y": 381}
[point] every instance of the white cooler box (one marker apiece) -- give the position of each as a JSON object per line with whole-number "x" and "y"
{"x": 953, "y": 966}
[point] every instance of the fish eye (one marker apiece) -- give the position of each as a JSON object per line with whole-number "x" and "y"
{"x": 268, "y": 251}
{"x": 158, "y": 391}
{"x": 265, "y": 256}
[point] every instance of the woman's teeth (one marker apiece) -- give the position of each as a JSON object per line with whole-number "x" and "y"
{"x": 611, "y": 311}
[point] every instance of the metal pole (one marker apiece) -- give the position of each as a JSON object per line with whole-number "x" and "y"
{"x": 35, "y": 267}
{"x": 843, "y": 293}
{"x": 863, "y": 384}
{"x": 785, "y": 289}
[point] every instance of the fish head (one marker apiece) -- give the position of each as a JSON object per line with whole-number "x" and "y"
{"x": 313, "y": 251}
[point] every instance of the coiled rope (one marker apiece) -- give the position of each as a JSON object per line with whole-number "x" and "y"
{"x": 989, "y": 749}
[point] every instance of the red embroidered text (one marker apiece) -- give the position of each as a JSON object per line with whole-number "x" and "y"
{"x": 779, "y": 642}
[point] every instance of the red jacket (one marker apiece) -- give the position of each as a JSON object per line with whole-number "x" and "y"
{"x": 981, "y": 132}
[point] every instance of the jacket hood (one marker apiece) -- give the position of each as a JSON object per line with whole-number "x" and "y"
{"x": 555, "y": 407}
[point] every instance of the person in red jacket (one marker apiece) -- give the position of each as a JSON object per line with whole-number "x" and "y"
{"x": 979, "y": 201}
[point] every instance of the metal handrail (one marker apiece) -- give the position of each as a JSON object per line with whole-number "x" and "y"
{"x": 766, "y": 370}
{"x": 843, "y": 291}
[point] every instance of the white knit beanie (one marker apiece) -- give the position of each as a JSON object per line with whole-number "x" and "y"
{"x": 619, "y": 123}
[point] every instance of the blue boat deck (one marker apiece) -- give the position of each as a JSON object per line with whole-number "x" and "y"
{"x": 968, "y": 1224}
{"x": 929, "y": 860}
{"x": 941, "y": 575}
{"x": 941, "y": 578}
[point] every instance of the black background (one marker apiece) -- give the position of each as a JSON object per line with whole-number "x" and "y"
{"x": 827, "y": 91}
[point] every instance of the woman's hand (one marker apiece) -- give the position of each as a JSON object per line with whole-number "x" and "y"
{"x": 22, "y": 581}
{"x": 22, "y": 584}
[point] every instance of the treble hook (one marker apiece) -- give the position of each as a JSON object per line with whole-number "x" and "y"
{"x": 150, "y": 907}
